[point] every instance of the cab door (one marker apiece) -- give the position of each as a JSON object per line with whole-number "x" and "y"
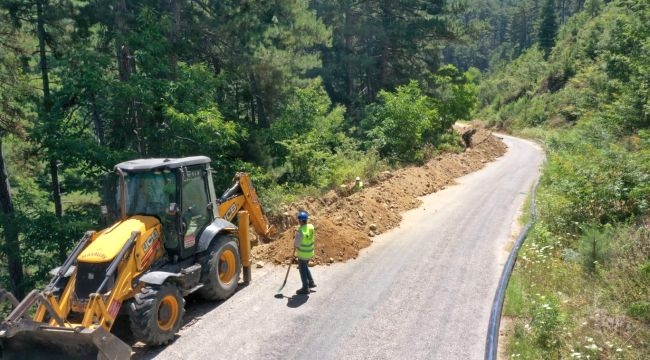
{"x": 195, "y": 209}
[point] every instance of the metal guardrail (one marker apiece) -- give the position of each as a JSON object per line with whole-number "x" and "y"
{"x": 492, "y": 339}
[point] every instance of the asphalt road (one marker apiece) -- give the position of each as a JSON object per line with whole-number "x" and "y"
{"x": 421, "y": 291}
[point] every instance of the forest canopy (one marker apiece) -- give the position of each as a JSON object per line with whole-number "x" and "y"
{"x": 306, "y": 95}
{"x": 293, "y": 91}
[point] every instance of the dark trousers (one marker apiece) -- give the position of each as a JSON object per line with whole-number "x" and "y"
{"x": 305, "y": 274}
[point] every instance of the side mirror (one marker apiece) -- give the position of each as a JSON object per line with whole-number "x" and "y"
{"x": 172, "y": 209}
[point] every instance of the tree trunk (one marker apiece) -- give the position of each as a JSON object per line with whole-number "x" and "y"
{"x": 47, "y": 106}
{"x": 174, "y": 35}
{"x": 348, "y": 78}
{"x": 11, "y": 246}
{"x": 258, "y": 104}
{"x": 97, "y": 121}
{"x": 384, "y": 65}
{"x": 130, "y": 124}
{"x": 121, "y": 47}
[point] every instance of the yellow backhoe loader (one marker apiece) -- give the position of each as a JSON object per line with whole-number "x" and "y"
{"x": 171, "y": 237}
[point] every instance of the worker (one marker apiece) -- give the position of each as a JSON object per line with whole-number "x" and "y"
{"x": 304, "y": 245}
{"x": 358, "y": 184}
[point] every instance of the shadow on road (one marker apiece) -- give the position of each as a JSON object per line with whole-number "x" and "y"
{"x": 297, "y": 300}
{"x": 195, "y": 308}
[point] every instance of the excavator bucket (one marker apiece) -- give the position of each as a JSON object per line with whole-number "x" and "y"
{"x": 27, "y": 339}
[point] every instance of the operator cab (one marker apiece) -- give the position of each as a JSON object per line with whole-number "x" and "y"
{"x": 179, "y": 192}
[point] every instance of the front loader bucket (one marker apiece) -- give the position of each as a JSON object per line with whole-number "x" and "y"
{"x": 27, "y": 339}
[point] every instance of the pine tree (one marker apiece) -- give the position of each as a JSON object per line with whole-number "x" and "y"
{"x": 548, "y": 28}
{"x": 380, "y": 45}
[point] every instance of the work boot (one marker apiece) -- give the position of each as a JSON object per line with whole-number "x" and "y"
{"x": 302, "y": 291}
{"x": 312, "y": 285}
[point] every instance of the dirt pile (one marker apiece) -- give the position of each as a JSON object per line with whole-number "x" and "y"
{"x": 346, "y": 224}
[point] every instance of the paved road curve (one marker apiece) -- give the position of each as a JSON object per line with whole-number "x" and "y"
{"x": 421, "y": 291}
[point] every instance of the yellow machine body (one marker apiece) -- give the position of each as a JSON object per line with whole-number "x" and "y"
{"x": 135, "y": 261}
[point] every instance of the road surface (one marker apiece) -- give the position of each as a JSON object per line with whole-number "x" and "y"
{"x": 421, "y": 291}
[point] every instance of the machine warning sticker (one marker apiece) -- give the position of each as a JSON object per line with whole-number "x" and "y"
{"x": 114, "y": 308}
{"x": 189, "y": 241}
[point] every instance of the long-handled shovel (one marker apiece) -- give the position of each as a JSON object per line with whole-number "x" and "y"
{"x": 279, "y": 293}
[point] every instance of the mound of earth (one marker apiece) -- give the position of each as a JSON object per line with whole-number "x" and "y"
{"x": 346, "y": 222}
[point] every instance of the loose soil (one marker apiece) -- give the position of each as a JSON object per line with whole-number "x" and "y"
{"x": 346, "y": 221}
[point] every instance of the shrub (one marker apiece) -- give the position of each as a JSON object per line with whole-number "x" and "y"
{"x": 397, "y": 126}
{"x": 546, "y": 323}
{"x": 595, "y": 246}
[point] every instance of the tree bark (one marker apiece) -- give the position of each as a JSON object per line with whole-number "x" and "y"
{"x": 121, "y": 47}
{"x": 97, "y": 121}
{"x": 258, "y": 104}
{"x": 47, "y": 106}
{"x": 11, "y": 246}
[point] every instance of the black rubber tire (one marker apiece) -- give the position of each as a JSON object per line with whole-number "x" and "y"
{"x": 220, "y": 269}
{"x": 156, "y": 313}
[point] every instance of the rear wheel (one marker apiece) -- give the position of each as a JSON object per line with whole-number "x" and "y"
{"x": 220, "y": 269}
{"x": 156, "y": 313}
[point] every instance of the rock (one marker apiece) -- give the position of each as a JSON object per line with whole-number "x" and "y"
{"x": 372, "y": 227}
{"x": 259, "y": 265}
{"x": 360, "y": 213}
{"x": 331, "y": 260}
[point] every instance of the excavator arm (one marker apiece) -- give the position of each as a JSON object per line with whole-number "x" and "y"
{"x": 242, "y": 196}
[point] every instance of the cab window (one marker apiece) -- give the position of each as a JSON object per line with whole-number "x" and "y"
{"x": 195, "y": 210}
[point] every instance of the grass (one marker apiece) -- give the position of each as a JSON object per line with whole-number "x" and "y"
{"x": 561, "y": 309}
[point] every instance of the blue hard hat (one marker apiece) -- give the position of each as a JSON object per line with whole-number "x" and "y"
{"x": 302, "y": 215}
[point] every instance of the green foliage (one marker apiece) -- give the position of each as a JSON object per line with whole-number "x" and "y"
{"x": 455, "y": 93}
{"x": 307, "y": 136}
{"x": 309, "y": 111}
{"x": 505, "y": 95}
{"x": 47, "y": 239}
{"x": 595, "y": 247}
{"x": 521, "y": 343}
{"x": 494, "y": 32}
{"x": 516, "y": 301}
{"x": 403, "y": 123}
{"x": 306, "y": 160}
{"x": 645, "y": 271}
{"x": 640, "y": 310}
{"x": 548, "y": 28}
{"x": 262, "y": 50}
{"x": 591, "y": 179}
{"x": 204, "y": 132}
{"x": 599, "y": 66}
{"x": 449, "y": 141}
{"x": 546, "y": 322}
{"x": 236, "y": 81}
{"x": 372, "y": 52}
{"x": 627, "y": 273}
{"x": 587, "y": 101}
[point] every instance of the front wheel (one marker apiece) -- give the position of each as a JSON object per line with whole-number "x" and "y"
{"x": 156, "y": 313}
{"x": 220, "y": 269}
